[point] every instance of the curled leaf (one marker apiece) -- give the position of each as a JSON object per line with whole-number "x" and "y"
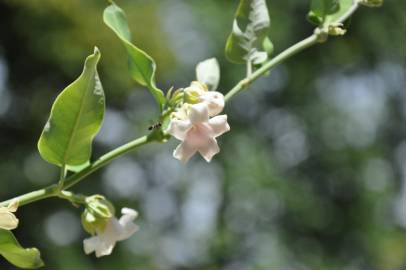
{"x": 14, "y": 253}
{"x": 250, "y": 29}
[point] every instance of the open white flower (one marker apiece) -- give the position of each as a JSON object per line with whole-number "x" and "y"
{"x": 116, "y": 230}
{"x": 197, "y": 92}
{"x": 8, "y": 220}
{"x": 197, "y": 132}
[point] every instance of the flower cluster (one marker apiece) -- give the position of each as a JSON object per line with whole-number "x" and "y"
{"x": 197, "y": 123}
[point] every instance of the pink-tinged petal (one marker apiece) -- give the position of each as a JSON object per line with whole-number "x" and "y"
{"x": 219, "y": 125}
{"x": 210, "y": 149}
{"x": 184, "y": 152}
{"x": 179, "y": 128}
{"x": 199, "y": 113}
{"x": 214, "y": 100}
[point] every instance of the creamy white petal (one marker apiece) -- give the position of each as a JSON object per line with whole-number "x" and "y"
{"x": 199, "y": 113}
{"x": 214, "y": 101}
{"x": 104, "y": 249}
{"x": 127, "y": 224}
{"x": 90, "y": 244}
{"x": 209, "y": 150}
{"x": 12, "y": 207}
{"x": 129, "y": 212}
{"x": 179, "y": 128}
{"x": 208, "y": 72}
{"x": 184, "y": 152}
{"x": 115, "y": 230}
{"x": 219, "y": 125}
{"x": 8, "y": 221}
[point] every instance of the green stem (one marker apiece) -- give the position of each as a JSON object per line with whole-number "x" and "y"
{"x": 293, "y": 50}
{"x": 249, "y": 68}
{"x": 58, "y": 191}
{"x": 298, "y": 47}
{"x": 54, "y": 191}
{"x": 62, "y": 177}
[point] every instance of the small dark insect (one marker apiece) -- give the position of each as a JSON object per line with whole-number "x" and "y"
{"x": 155, "y": 126}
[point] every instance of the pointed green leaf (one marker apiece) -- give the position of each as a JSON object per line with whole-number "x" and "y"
{"x": 250, "y": 29}
{"x": 142, "y": 67}
{"x": 75, "y": 119}
{"x": 325, "y": 12}
{"x": 13, "y": 252}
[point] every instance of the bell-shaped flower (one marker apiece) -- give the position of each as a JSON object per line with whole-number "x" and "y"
{"x": 115, "y": 230}
{"x": 8, "y": 220}
{"x": 197, "y": 92}
{"x": 197, "y": 132}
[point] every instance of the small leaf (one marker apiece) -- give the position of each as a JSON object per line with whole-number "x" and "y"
{"x": 13, "y": 252}
{"x": 142, "y": 67}
{"x": 75, "y": 119}
{"x": 250, "y": 29}
{"x": 208, "y": 72}
{"x": 325, "y": 12}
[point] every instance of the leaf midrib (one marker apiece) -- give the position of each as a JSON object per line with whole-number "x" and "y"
{"x": 73, "y": 132}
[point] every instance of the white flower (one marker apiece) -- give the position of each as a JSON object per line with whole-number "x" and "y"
{"x": 197, "y": 92}
{"x": 198, "y": 133}
{"x": 8, "y": 220}
{"x": 116, "y": 230}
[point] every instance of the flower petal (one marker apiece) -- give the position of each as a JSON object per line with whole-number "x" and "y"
{"x": 104, "y": 249}
{"x": 12, "y": 207}
{"x": 208, "y": 72}
{"x": 8, "y": 221}
{"x": 184, "y": 152}
{"x": 128, "y": 227}
{"x": 219, "y": 125}
{"x": 90, "y": 244}
{"x": 214, "y": 101}
{"x": 198, "y": 113}
{"x": 179, "y": 128}
{"x": 209, "y": 150}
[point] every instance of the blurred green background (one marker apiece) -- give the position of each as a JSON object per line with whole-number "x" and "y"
{"x": 312, "y": 175}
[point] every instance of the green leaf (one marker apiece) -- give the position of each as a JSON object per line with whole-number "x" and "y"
{"x": 325, "y": 12}
{"x": 76, "y": 117}
{"x": 142, "y": 67}
{"x": 13, "y": 252}
{"x": 250, "y": 28}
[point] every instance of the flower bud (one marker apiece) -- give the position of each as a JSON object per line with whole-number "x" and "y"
{"x": 96, "y": 214}
{"x": 336, "y": 30}
{"x": 194, "y": 91}
{"x": 371, "y": 3}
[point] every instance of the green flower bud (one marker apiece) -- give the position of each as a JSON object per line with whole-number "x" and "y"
{"x": 194, "y": 91}
{"x": 336, "y": 30}
{"x": 97, "y": 213}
